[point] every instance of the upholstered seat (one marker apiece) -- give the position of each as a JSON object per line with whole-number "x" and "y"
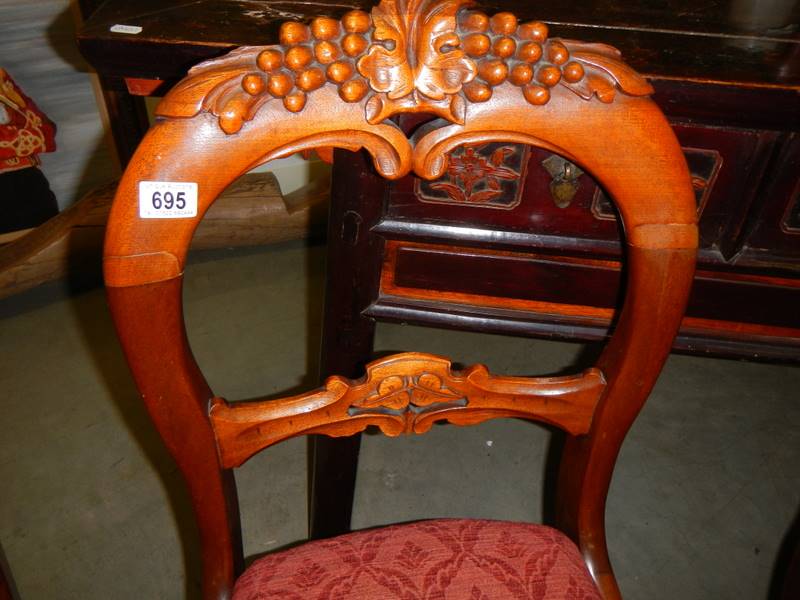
{"x": 444, "y": 559}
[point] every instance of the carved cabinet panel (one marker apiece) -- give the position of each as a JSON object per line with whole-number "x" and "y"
{"x": 487, "y": 176}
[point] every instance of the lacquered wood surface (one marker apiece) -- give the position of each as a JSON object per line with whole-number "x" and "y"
{"x": 529, "y": 292}
{"x": 525, "y": 281}
{"x": 579, "y": 100}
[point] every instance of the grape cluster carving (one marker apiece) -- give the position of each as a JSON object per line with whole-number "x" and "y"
{"x": 433, "y": 56}
{"x": 521, "y": 54}
{"x": 310, "y": 56}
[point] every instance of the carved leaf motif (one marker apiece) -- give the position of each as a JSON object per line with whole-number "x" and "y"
{"x": 484, "y": 196}
{"x": 207, "y": 83}
{"x": 391, "y": 393}
{"x": 404, "y": 393}
{"x": 499, "y": 155}
{"x": 430, "y": 381}
{"x": 503, "y": 173}
{"x": 443, "y": 67}
{"x": 390, "y": 385}
{"x": 386, "y": 65}
{"x": 605, "y": 72}
{"x": 417, "y": 61}
{"x": 451, "y": 190}
{"x": 469, "y": 167}
{"x": 430, "y": 390}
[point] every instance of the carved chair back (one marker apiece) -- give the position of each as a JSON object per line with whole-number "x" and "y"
{"x": 336, "y": 83}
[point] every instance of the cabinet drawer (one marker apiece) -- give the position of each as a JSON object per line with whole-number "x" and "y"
{"x": 533, "y": 293}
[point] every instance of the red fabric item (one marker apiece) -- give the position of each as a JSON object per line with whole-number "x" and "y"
{"x": 447, "y": 559}
{"x": 25, "y": 130}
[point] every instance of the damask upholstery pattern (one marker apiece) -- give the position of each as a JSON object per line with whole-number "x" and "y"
{"x": 445, "y": 559}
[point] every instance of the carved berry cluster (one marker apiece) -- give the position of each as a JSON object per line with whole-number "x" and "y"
{"x": 311, "y": 55}
{"x": 422, "y": 56}
{"x": 519, "y": 53}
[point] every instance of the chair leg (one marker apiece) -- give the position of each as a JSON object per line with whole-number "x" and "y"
{"x": 353, "y": 270}
{"x": 346, "y": 346}
{"x": 580, "y": 512}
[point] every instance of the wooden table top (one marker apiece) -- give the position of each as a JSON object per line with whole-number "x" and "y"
{"x": 731, "y": 41}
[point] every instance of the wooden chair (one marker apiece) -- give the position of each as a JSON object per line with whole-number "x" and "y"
{"x": 336, "y": 84}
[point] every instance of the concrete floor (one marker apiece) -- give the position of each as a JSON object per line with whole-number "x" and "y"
{"x": 91, "y": 506}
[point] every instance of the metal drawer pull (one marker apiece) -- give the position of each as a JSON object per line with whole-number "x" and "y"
{"x": 564, "y": 184}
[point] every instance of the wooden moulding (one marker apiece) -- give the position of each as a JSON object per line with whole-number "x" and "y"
{"x": 405, "y": 393}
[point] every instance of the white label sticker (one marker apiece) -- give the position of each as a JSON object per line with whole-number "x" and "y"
{"x": 131, "y": 29}
{"x": 167, "y": 199}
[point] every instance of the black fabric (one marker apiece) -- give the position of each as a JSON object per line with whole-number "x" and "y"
{"x": 25, "y": 199}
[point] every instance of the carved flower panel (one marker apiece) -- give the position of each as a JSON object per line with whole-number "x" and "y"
{"x": 486, "y": 175}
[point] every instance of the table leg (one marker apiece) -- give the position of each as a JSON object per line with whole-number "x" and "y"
{"x": 352, "y": 280}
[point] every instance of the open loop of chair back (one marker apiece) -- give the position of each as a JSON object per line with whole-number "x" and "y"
{"x": 336, "y": 84}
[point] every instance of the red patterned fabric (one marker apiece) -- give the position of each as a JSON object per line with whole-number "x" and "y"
{"x": 448, "y": 559}
{"x": 25, "y": 131}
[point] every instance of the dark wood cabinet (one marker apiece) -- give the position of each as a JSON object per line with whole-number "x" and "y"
{"x": 502, "y": 243}
{"x": 490, "y": 246}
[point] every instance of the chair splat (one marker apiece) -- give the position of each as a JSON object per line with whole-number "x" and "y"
{"x": 405, "y": 393}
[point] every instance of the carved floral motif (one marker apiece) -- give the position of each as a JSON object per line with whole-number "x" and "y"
{"x": 407, "y": 395}
{"x": 407, "y": 56}
{"x": 485, "y": 175}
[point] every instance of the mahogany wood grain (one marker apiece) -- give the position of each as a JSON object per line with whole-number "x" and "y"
{"x": 256, "y": 104}
{"x": 127, "y": 117}
{"x": 177, "y": 397}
